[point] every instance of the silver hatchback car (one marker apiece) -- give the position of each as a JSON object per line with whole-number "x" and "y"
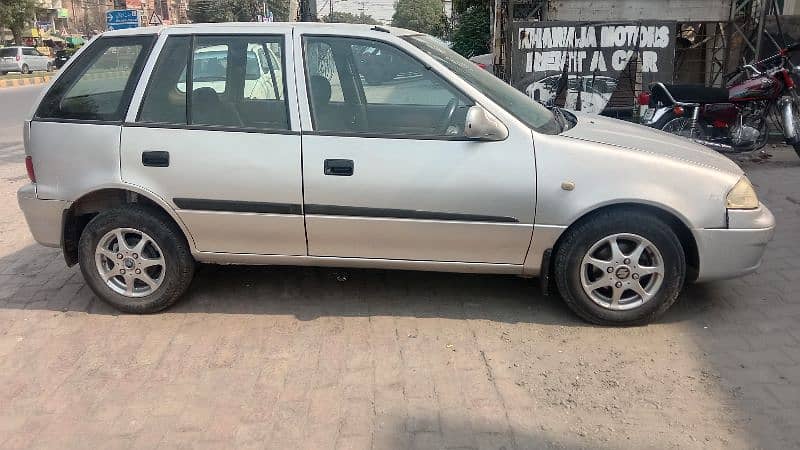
{"x": 150, "y": 152}
{"x": 23, "y": 60}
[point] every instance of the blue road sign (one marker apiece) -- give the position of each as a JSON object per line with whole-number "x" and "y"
{"x": 120, "y": 26}
{"x": 122, "y": 18}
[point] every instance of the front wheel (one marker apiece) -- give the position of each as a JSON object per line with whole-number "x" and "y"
{"x": 136, "y": 259}
{"x": 622, "y": 267}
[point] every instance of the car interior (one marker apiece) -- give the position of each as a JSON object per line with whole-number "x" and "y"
{"x": 222, "y": 92}
{"x": 410, "y": 100}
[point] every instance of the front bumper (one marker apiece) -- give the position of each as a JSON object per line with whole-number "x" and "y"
{"x": 738, "y": 249}
{"x": 44, "y": 217}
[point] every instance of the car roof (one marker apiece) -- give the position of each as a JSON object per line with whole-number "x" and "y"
{"x": 315, "y": 27}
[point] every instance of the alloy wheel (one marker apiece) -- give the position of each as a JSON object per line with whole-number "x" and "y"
{"x": 622, "y": 271}
{"x": 130, "y": 262}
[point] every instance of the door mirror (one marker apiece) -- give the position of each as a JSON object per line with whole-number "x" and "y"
{"x": 481, "y": 125}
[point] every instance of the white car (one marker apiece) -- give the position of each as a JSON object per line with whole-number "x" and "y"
{"x": 23, "y": 60}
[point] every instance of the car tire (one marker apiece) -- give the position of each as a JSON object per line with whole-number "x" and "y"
{"x": 25, "y": 69}
{"x": 3, "y": 73}
{"x": 140, "y": 278}
{"x": 576, "y": 274}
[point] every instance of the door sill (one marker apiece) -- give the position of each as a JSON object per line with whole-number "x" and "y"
{"x": 361, "y": 263}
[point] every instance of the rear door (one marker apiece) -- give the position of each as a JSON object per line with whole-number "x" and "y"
{"x": 226, "y": 156}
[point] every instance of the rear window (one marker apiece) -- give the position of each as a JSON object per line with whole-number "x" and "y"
{"x": 99, "y": 85}
{"x": 8, "y": 52}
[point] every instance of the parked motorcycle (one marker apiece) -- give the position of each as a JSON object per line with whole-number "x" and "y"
{"x": 732, "y": 119}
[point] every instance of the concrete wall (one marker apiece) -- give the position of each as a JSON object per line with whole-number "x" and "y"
{"x": 680, "y": 10}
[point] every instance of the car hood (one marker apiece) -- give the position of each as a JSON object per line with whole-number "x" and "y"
{"x": 638, "y": 137}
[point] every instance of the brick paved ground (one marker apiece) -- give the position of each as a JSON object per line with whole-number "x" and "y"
{"x": 292, "y": 358}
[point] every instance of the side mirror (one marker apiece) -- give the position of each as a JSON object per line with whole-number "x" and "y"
{"x": 481, "y": 125}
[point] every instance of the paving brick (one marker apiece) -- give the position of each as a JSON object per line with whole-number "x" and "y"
{"x": 290, "y": 358}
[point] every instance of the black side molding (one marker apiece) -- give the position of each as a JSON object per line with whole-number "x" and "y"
{"x": 359, "y": 211}
{"x": 202, "y": 204}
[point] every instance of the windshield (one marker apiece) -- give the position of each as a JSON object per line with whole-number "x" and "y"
{"x": 533, "y": 114}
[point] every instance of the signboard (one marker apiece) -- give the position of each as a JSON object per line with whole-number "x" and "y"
{"x": 122, "y": 18}
{"x": 62, "y": 13}
{"x": 584, "y": 61}
{"x": 155, "y": 19}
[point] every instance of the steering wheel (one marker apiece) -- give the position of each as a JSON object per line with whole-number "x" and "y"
{"x": 447, "y": 116}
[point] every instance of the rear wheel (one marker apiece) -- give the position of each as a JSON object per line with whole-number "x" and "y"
{"x": 620, "y": 268}
{"x": 136, "y": 259}
{"x": 682, "y": 126}
{"x": 25, "y": 69}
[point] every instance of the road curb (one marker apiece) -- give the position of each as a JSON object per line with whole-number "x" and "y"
{"x": 25, "y": 81}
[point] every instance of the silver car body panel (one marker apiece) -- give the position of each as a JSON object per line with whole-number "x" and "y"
{"x": 609, "y": 162}
{"x": 77, "y": 164}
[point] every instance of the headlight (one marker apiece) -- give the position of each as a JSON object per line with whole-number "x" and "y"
{"x": 742, "y": 196}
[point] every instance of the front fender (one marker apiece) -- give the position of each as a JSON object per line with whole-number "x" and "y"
{"x": 605, "y": 175}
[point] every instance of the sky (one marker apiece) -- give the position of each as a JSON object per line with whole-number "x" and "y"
{"x": 381, "y": 10}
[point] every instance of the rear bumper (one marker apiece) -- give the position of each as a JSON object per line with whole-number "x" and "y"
{"x": 735, "y": 251}
{"x": 44, "y": 217}
{"x": 11, "y": 67}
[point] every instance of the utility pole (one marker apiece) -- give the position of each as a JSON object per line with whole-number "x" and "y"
{"x": 293, "y": 8}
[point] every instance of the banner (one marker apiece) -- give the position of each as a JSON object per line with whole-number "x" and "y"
{"x": 585, "y": 60}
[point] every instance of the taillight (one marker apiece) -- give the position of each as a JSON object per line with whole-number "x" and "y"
{"x": 678, "y": 110}
{"x": 644, "y": 98}
{"x": 29, "y": 168}
{"x": 18, "y": 57}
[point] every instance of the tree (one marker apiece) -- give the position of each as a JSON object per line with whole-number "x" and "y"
{"x": 472, "y": 35}
{"x": 346, "y": 17}
{"x": 205, "y": 11}
{"x": 16, "y": 15}
{"x": 425, "y": 16}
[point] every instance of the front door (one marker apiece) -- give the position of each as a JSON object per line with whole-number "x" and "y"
{"x": 214, "y": 137}
{"x": 388, "y": 172}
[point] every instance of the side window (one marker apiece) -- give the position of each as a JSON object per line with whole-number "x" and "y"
{"x": 165, "y": 98}
{"x": 99, "y": 85}
{"x": 231, "y": 80}
{"x": 385, "y": 91}
{"x": 210, "y": 65}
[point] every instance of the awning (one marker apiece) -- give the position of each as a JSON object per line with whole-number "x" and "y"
{"x": 74, "y": 40}
{"x": 54, "y": 39}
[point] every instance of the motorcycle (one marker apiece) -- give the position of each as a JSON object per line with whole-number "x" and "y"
{"x": 732, "y": 119}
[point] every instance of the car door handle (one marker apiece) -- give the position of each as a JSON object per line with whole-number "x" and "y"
{"x": 339, "y": 167}
{"x": 155, "y": 159}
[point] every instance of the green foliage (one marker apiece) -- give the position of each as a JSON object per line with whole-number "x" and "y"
{"x": 205, "y": 11}
{"x": 425, "y": 16}
{"x": 16, "y": 15}
{"x": 461, "y": 6}
{"x": 472, "y": 34}
{"x": 346, "y": 17}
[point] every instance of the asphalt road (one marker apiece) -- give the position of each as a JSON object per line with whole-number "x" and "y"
{"x": 15, "y": 106}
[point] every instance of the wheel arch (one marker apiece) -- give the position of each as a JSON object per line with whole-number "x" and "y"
{"x": 91, "y": 203}
{"x": 675, "y": 221}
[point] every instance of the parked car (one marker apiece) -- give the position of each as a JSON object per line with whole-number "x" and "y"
{"x": 62, "y": 56}
{"x": 23, "y": 59}
{"x": 484, "y": 61}
{"x": 453, "y": 171}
